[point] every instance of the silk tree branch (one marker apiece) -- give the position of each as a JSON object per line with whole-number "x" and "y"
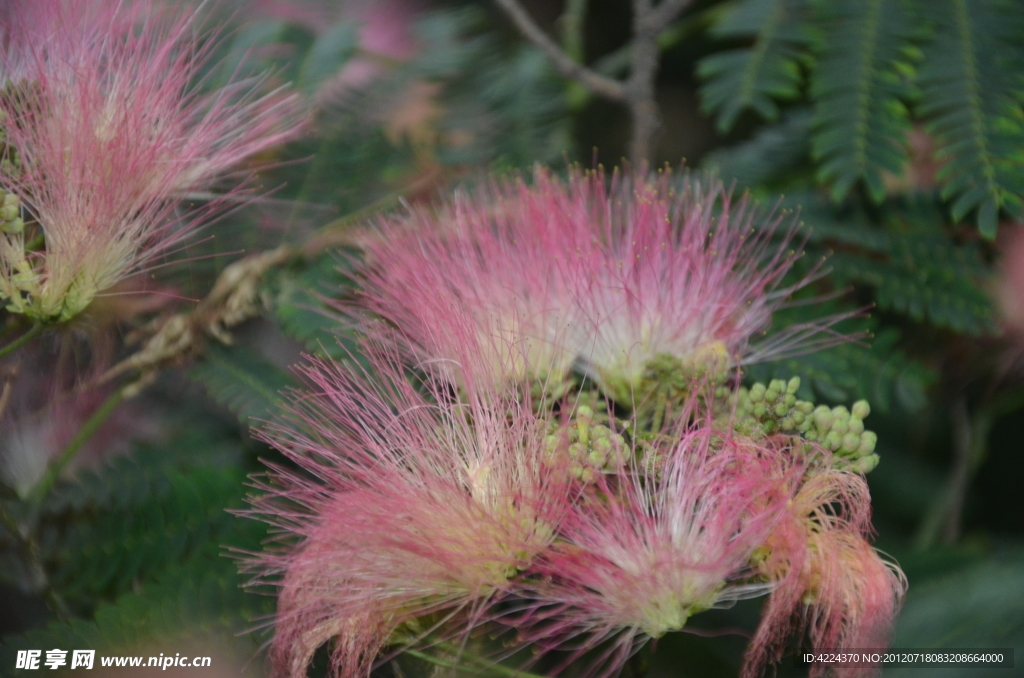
{"x": 608, "y": 88}
{"x": 637, "y": 92}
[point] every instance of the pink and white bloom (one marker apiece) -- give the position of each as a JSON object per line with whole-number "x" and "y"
{"x": 110, "y": 132}
{"x": 658, "y": 544}
{"x": 498, "y": 265}
{"x": 410, "y": 503}
{"x": 828, "y": 581}
{"x": 607, "y": 278}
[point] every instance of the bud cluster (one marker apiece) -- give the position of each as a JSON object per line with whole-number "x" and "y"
{"x": 10, "y": 214}
{"x": 591, "y": 447}
{"x": 775, "y": 408}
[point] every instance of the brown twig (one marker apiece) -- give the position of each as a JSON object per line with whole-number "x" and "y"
{"x": 608, "y": 88}
{"x": 637, "y": 92}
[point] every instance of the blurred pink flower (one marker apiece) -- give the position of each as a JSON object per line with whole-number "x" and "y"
{"x": 111, "y": 133}
{"x": 408, "y": 504}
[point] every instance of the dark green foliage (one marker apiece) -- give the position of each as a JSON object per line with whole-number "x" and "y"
{"x": 770, "y": 157}
{"x": 875, "y": 370}
{"x": 981, "y": 605}
{"x": 201, "y": 601}
{"x": 971, "y": 96}
{"x": 914, "y": 268}
{"x": 300, "y": 299}
{"x": 101, "y": 554}
{"x": 876, "y": 68}
{"x": 859, "y": 88}
{"x": 757, "y": 76}
{"x": 242, "y": 380}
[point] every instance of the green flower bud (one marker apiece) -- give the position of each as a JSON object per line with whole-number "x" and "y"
{"x": 13, "y": 226}
{"x": 840, "y": 412}
{"x": 769, "y": 426}
{"x": 793, "y": 386}
{"x": 760, "y": 410}
{"x": 861, "y": 409}
{"x": 867, "y": 464}
{"x": 805, "y": 427}
{"x": 577, "y": 451}
{"x": 597, "y": 458}
{"x": 841, "y": 427}
{"x": 781, "y": 410}
{"x": 850, "y": 443}
{"x": 798, "y": 417}
{"x": 804, "y": 406}
{"x": 11, "y": 200}
{"x": 787, "y": 424}
{"x": 757, "y": 392}
{"x": 777, "y": 385}
{"x": 811, "y": 436}
{"x": 789, "y": 399}
{"x": 856, "y": 425}
{"x": 868, "y": 440}
{"x": 823, "y": 417}
{"x": 8, "y": 213}
{"x": 771, "y": 395}
{"x": 833, "y": 441}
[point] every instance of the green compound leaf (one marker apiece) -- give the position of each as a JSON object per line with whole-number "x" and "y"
{"x": 981, "y": 605}
{"x": 755, "y": 77}
{"x": 772, "y": 155}
{"x": 971, "y": 95}
{"x": 198, "y": 604}
{"x": 915, "y": 267}
{"x": 880, "y": 374}
{"x": 101, "y": 555}
{"x": 300, "y": 307}
{"x": 242, "y": 380}
{"x": 860, "y": 88}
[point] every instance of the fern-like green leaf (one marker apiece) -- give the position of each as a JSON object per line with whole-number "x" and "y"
{"x": 299, "y": 304}
{"x": 755, "y": 77}
{"x": 860, "y": 87}
{"x": 852, "y": 371}
{"x": 243, "y": 380}
{"x": 101, "y": 555}
{"x": 199, "y": 604}
{"x": 773, "y": 153}
{"x": 971, "y": 93}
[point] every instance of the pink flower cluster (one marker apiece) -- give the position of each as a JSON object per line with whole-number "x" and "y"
{"x": 439, "y": 497}
{"x": 107, "y": 130}
{"x": 604, "y": 278}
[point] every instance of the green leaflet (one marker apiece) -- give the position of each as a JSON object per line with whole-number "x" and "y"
{"x": 971, "y": 90}
{"x": 242, "y": 380}
{"x": 860, "y": 88}
{"x": 755, "y": 77}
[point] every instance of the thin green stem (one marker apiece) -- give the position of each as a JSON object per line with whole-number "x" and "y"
{"x": 22, "y": 340}
{"x": 36, "y": 242}
{"x": 480, "y": 663}
{"x": 42, "y": 488}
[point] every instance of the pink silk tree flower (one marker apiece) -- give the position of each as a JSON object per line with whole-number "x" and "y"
{"x": 684, "y": 278}
{"x": 497, "y": 263}
{"x": 107, "y": 131}
{"x": 612, "y": 279}
{"x": 410, "y": 503}
{"x": 828, "y": 581}
{"x": 671, "y": 537}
